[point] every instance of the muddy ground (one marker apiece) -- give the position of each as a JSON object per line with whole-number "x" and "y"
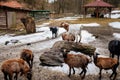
{"x": 103, "y": 36}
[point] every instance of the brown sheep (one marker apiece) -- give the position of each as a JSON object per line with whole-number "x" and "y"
{"x": 106, "y": 63}
{"x": 75, "y": 60}
{"x": 15, "y": 66}
{"x": 28, "y": 56}
{"x": 68, "y": 36}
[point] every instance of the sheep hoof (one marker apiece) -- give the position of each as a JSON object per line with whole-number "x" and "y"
{"x": 74, "y": 73}
{"x": 61, "y": 65}
{"x": 68, "y": 75}
{"x": 111, "y": 78}
{"x": 82, "y": 77}
{"x": 99, "y": 78}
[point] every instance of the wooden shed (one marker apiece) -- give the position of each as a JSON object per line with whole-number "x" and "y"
{"x": 10, "y": 14}
{"x": 98, "y": 5}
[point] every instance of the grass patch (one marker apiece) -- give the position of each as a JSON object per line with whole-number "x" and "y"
{"x": 101, "y": 21}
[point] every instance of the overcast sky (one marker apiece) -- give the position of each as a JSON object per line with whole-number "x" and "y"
{"x": 51, "y": 1}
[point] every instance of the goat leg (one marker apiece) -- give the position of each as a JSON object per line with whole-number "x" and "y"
{"x": 84, "y": 70}
{"x": 5, "y": 76}
{"x": 111, "y": 75}
{"x": 115, "y": 74}
{"x": 114, "y": 71}
{"x": 10, "y": 76}
{"x": 56, "y": 35}
{"x": 29, "y": 63}
{"x": 73, "y": 70}
{"x": 81, "y": 72}
{"x": 32, "y": 62}
{"x": 112, "y": 55}
{"x": 118, "y": 57}
{"x": 100, "y": 74}
{"x": 69, "y": 71}
{"x": 16, "y": 76}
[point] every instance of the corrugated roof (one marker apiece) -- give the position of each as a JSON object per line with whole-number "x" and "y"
{"x": 12, "y": 4}
{"x": 98, "y": 3}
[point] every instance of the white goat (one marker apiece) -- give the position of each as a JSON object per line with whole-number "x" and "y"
{"x": 74, "y": 29}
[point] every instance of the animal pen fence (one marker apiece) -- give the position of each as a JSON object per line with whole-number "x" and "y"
{"x": 40, "y": 14}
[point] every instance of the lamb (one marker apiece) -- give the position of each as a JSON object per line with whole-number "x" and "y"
{"x": 68, "y": 36}
{"x": 106, "y": 63}
{"x": 15, "y": 66}
{"x": 28, "y": 56}
{"x": 75, "y": 60}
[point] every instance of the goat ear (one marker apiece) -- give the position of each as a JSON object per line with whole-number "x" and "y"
{"x": 64, "y": 50}
{"x": 97, "y": 54}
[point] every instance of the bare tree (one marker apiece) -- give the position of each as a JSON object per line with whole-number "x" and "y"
{"x": 61, "y": 6}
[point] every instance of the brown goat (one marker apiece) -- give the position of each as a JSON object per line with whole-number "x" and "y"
{"x": 106, "y": 63}
{"x": 15, "y": 66}
{"x": 75, "y": 60}
{"x": 76, "y": 30}
{"x": 65, "y": 26}
{"x": 68, "y": 36}
{"x": 28, "y": 56}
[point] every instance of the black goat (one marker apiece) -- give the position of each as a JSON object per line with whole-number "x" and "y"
{"x": 114, "y": 48}
{"x": 54, "y": 31}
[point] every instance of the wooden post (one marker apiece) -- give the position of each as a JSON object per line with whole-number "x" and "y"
{"x": 109, "y": 12}
{"x": 97, "y": 15}
{"x": 85, "y": 11}
{"x": 6, "y": 19}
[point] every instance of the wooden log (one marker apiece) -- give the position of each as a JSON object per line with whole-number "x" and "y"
{"x": 54, "y": 56}
{"x": 78, "y": 47}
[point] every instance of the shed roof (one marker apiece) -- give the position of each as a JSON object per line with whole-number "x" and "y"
{"x": 12, "y": 4}
{"x": 98, "y": 3}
